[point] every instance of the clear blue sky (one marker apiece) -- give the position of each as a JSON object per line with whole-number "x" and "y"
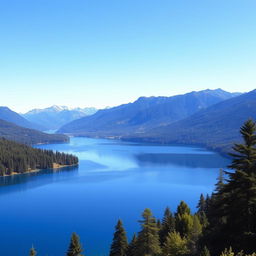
{"x": 107, "y": 52}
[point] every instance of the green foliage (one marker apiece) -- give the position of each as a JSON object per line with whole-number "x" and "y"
{"x": 148, "y": 238}
{"x": 228, "y": 252}
{"x": 132, "y": 247}
{"x": 194, "y": 235}
{"x": 27, "y": 136}
{"x": 167, "y": 226}
{"x": 205, "y": 252}
{"x": 75, "y": 247}
{"x": 175, "y": 245}
{"x": 119, "y": 244}
{"x": 233, "y": 205}
{"x": 32, "y": 252}
{"x": 19, "y": 158}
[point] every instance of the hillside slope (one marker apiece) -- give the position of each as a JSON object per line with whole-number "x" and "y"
{"x": 216, "y": 127}
{"x": 144, "y": 114}
{"x": 20, "y": 134}
{"x": 13, "y": 117}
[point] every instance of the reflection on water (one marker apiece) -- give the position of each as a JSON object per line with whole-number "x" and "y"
{"x": 113, "y": 180}
{"x": 189, "y": 160}
{"x": 35, "y": 179}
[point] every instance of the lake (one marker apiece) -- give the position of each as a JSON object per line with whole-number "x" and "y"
{"x": 114, "y": 180}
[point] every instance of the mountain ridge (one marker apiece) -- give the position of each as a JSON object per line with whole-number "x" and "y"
{"x": 144, "y": 114}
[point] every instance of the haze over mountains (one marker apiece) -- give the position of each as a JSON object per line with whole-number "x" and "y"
{"x": 145, "y": 114}
{"x": 54, "y": 117}
{"x": 13, "y": 117}
{"x": 209, "y": 118}
{"x": 27, "y": 136}
{"x": 216, "y": 127}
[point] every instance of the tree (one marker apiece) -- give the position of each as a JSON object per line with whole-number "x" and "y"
{"x": 168, "y": 225}
{"x": 75, "y": 248}
{"x": 148, "y": 238}
{"x": 194, "y": 235}
{"x": 131, "y": 250}
{"x": 205, "y": 252}
{"x": 183, "y": 219}
{"x": 119, "y": 244}
{"x": 201, "y": 213}
{"x": 233, "y": 205}
{"x": 175, "y": 245}
{"x": 32, "y": 252}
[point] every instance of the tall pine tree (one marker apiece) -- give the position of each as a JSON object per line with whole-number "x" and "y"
{"x": 75, "y": 248}
{"x": 148, "y": 238}
{"x": 119, "y": 245}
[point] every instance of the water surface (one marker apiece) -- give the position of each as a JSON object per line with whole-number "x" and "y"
{"x": 114, "y": 180}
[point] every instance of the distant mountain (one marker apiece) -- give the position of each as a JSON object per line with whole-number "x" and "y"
{"x": 13, "y": 117}
{"x": 144, "y": 114}
{"x": 23, "y": 135}
{"x": 54, "y": 117}
{"x": 216, "y": 127}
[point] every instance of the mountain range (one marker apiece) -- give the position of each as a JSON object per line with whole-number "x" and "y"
{"x": 13, "y": 117}
{"x": 216, "y": 127}
{"x": 144, "y": 114}
{"x": 209, "y": 118}
{"x": 54, "y": 117}
{"x": 27, "y": 136}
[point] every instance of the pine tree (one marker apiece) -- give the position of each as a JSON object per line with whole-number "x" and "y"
{"x": 168, "y": 225}
{"x": 233, "y": 205}
{"x": 119, "y": 244}
{"x": 194, "y": 235}
{"x": 131, "y": 250}
{"x": 205, "y": 252}
{"x": 183, "y": 219}
{"x": 202, "y": 208}
{"x": 148, "y": 239}
{"x": 175, "y": 245}
{"x": 32, "y": 252}
{"x": 75, "y": 247}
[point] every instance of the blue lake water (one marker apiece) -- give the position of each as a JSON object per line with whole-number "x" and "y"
{"x": 114, "y": 180}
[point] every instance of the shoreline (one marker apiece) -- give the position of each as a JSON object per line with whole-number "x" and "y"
{"x": 55, "y": 167}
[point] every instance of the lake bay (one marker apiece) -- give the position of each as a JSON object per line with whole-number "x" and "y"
{"x": 114, "y": 180}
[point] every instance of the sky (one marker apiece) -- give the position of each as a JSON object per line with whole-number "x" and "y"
{"x": 99, "y": 53}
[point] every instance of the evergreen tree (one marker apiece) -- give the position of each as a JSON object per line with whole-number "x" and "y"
{"x": 183, "y": 219}
{"x": 175, "y": 245}
{"x": 148, "y": 239}
{"x": 75, "y": 248}
{"x": 233, "y": 205}
{"x": 168, "y": 225}
{"x": 202, "y": 208}
{"x": 32, "y": 252}
{"x": 119, "y": 244}
{"x": 131, "y": 251}
{"x": 205, "y": 252}
{"x": 194, "y": 235}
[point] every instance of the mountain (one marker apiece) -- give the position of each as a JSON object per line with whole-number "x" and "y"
{"x": 144, "y": 114}
{"x": 54, "y": 117}
{"x": 216, "y": 127}
{"x": 13, "y": 117}
{"x": 20, "y": 134}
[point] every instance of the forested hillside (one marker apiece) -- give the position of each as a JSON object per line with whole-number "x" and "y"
{"x": 216, "y": 127}
{"x": 20, "y": 134}
{"x": 19, "y": 158}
